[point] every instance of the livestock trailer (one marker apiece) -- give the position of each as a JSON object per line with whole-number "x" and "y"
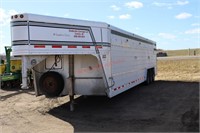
{"x": 78, "y": 57}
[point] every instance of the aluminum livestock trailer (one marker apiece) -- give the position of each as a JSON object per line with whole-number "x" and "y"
{"x": 76, "y": 57}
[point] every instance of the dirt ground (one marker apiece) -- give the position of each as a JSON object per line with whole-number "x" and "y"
{"x": 170, "y": 104}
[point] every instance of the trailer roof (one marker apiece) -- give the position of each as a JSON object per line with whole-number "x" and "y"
{"x": 76, "y": 22}
{"x": 56, "y": 20}
{"x": 130, "y": 35}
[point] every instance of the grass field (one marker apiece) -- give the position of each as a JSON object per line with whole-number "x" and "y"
{"x": 179, "y": 70}
{"x": 183, "y": 52}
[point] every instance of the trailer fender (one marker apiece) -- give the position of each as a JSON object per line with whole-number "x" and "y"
{"x": 51, "y": 84}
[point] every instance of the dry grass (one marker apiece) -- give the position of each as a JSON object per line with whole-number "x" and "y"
{"x": 179, "y": 70}
{"x": 183, "y": 52}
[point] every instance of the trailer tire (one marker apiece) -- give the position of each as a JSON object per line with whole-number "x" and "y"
{"x": 148, "y": 79}
{"x": 51, "y": 84}
{"x": 153, "y": 76}
{"x": 150, "y": 76}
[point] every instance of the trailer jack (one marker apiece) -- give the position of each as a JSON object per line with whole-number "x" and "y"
{"x": 71, "y": 98}
{"x": 71, "y": 82}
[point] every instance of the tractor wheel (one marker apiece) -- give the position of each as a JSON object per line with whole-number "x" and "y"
{"x": 2, "y": 85}
{"x": 51, "y": 84}
{"x": 8, "y": 85}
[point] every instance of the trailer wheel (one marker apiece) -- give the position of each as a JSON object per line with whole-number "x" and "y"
{"x": 51, "y": 84}
{"x": 148, "y": 80}
{"x": 153, "y": 76}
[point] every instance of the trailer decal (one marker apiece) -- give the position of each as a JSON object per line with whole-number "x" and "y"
{"x": 126, "y": 85}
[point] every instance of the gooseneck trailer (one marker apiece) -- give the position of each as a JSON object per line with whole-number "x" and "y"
{"x": 77, "y": 57}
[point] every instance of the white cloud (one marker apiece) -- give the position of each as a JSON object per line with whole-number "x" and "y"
{"x": 111, "y": 17}
{"x": 195, "y": 24}
{"x": 193, "y": 31}
{"x": 161, "y": 4}
{"x": 167, "y": 36}
{"x": 186, "y": 39}
{"x": 183, "y": 15}
{"x": 170, "y": 5}
{"x": 134, "y": 4}
{"x": 125, "y": 16}
{"x": 181, "y": 3}
{"x": 115, "y": 8}
{"x": 137, "y": 28}
{"x": 12, "y": 12}
{"x": 1, "y": 36}
{"x": 5, "y": 16}
{"x": 1, "y": 42}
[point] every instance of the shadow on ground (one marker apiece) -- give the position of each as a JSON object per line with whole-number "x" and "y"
{"x": 164, "y": 106}
{"x": 14, "y": 92}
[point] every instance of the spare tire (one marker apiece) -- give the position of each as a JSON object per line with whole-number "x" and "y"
{"x": 51, "y": 84}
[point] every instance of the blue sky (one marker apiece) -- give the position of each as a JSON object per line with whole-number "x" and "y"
{"x": 173, "y": 24}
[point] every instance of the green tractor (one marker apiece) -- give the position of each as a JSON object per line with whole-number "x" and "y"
{"x": 10, "y": 70}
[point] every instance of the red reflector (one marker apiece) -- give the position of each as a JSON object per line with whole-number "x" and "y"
{"x": 39, "y": 46}
{"x": 85, "y": 46}
{"x": 98, "y": 46}
{"x": 72, "y": 46}
{"x": 56, "y": 46}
